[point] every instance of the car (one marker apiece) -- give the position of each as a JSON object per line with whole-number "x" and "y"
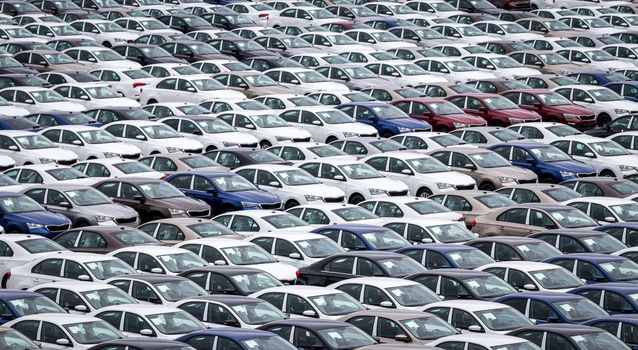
{"x": 193, "y": 89}
{"x": 463, "y": 284}
{"x": 177, "y": 230}
{"x": 603, "y": 209}
{"x": 26, "y": 148}
{"x": 363, "y": 146}
{"x": 158, "y": 259}
{"x": 250, "y": 83}
{"x": 126, "y": 82}
{"x": 112, "y": 114}
{"x": 355, "y": 236}
{"x": 331, "y": 42}
{"x": 50, "y": 119}
{"x": 236, "y": 157}
{"x": 157, "y": 288}
{"x": 266, "y": 126}
{"x": 427, "y": 140}
{"x": 401, "y": 72}
{"x": 250, "y": 222}
{"x": 545, "y": 132}
{"x": 441, "y": 114}
{"x": 580, "y": 241}
{"x": 37, "y": 100}
{"x": 539, "y": 193}
{"x": 593, "y": 25}
{"x": 24, "y": 248}
{"x": 534, "y": 276}
{"x": 231, "y": 310}
{"x": 496, "y": 85}
{"x": 410, "y": 207}
{"x": 82, "y": 297}
{"x": 606, "y": 156}
{"x": 285, "y": 101}
{"x": 334, "y": 213}
{"x": 453, "y": 69}
{"x": 241, "y": 339}
{"x": 624, "y": 89}
{"x": 233, "y": 280}
{"x": 178, "y": 162}
{"x": 478, "y": 316}
{"x": 107, "y": 33}
{"x": 103, "y": 239}
{"x": 620, "y": 321}
{"x": 300, "y": 249}
{"x": 606, "y": 104}
{"x": 13, "y": 110}
{"x": 550, "y": 164}
{"x": 486, "y": 135}
{"x": 504, "y": 248}
{"x": 304, "y": 80}
{"x": 99, "y": 57}
{"x": 495, "y": 109}
{"x": 622, "y": 231}
{"x": 596, "y": 268}
{"x": 308, "y": 150}
{"x": 16, "y": 339}
{"x": 149, "y": 344}
{"x": 572, "y": 335}
{"x": 152, "y": 137}
{"x": 441, "y": 255}
{"x": 48, "y": 60}
{"x": 116, "y": 167}
{"x": 89, "y": 142}
{"x": 48, "y": 173}
{"x": 616, "y": 300}
{"x": 24, "y": 303}
{"x": 600, "y": 79}
{"x": 21, "y": 214}
{"x": 326, "y": 123}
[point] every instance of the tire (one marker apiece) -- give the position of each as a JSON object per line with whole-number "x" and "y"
{"x": 265, "y": 144}
{"x": 27, "y": 163}
{"x": 5, "y": 279}
{"x": 607, "y": 173}
{"x": 91, "y": 158}
{"x": 331, "y": 139}
{"x": 486, "y": 186}
{"x": 547, "y": 180}
{"x": 155, "y": 216}
{"x": 13, "y": 230}
{"x": 210, "y": 148}
{"x": 553, "y": 120}
{"x": 151, "y": 101}
{"x": 107, "y": 44}
{"x": 82, "y": 223}
{"x": 387, "y": 135}
{"x": 423, "y": 192}
{"x": 356, "y": 199}
{"x": 443, "y": 129}
{"x": 155, "y": 152}
{"x": 290, "y": 204}
{"x": 498, "y": 123}
{"x": 603, "y": 119}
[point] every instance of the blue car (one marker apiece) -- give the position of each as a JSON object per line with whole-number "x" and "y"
{"x": 363, "y": 237}
{"x": 550, "y": 164}
{"x": 627, "y": 89}
{"x": 626, "y": 232}
{"x": 553, "y": 307}
{"x": 224, "y": 191}
{"x": 597, "y": 268}
{"x": 614, "y": 297}
{"x": 46, "y": 120}
{"x": 624, "y": 327}
{"x": 598, "y": 78}
{"x": 18, "y": 303}
{"x": 21, "y": 214}
{"x": 236, "y": 339}
{"x": 18, "y": 123}
{"x": 387, "y": 119}
{"x": 441, "y": 256}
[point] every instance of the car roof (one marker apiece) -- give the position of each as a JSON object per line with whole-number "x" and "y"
{"x": 235, "y": 333}
{"x": 352, "y": 227}
{"x": 550, "y": 297}
{"x": 56, "y": 319}
{"x": 228, "y": 299}
{"x": 440, "y": 247}
{"x": 469, "y": 305}
{"x": 562, "y": 328}
{"x": 524, "y": 265}
{"x": 151, "y": 278}
{"x": 77, "y": 286}
{"x": 491, "y": 340}
{"x": 315, "y": 324}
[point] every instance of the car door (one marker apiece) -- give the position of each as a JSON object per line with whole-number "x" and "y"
{"x": 48, "y": 270}
{"x": 286, "y": 252}
{"x": 513, "y": 221}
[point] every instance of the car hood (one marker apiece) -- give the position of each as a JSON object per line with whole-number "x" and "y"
{"x": 57, "y": 154}
{"x": 289, "y": 131}
{"x": 115, "y": 210}
{"x": 367, "y": 83}
{"x": 116, "y": 147}
{"x": 520, "y": 113}
{"x": 384, "y": 183}
{"x": 454, "y": 178}
{"x": 515, "y": 172}
{"x": 320, "y": 190}
{"x": 355, "y": 127}
{"x": 240, "y": 138}
{"x": 255, "y": 196}
{"x": 63, "y": 106}
{"x": 164, "y": 59}
{"x": 409, "y": 123}
{"x": 464, "y": 118}
{"x": 84, "y": 181}
{"x": 328, "y": 86}
{"x": 570, "y": 166}
{"x": 282, "y": 272}
{"x": 181, "y": 142}
{"x": 626, "y": 105}
{"x": 14, "y": 110}
{"x": 571, "y": 109}
{"x": 42, "y": 217}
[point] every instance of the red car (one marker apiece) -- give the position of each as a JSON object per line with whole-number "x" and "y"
{"x": 553, "y": 107}
{"x": 441, "y": 114}
{"x": 496, "y": 109}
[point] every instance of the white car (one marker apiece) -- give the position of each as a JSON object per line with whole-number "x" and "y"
{"x": 464, "y": 33}
{"x": 605, "y": 103}
{"x": 332, "y": 42}
{"x": 94, "y": 95}
{"x": 302, "y": 16}
{"x": 500, "y": 65}
{"x": 304, "y": 80}
{"x": 486, "y": 316}
{"x": 285, "y": 101}
{"x": 393, "y": 10}
{"x": 162, "y": 70}
{"x": 25, "y": 248}
{"x": 232, "y": 252}
{"x": 55, "y": 31}
{"x": 39, "y": 100}
{"x": 429, "y": 140}
{"x": 26, "y": 147}
{"x": 606, "y": 209}
{"x": 89, "y": 142}
{"x": 422, "y": 174}
{"x": 77, "y": 332}
{"x": 157, "y": 289}
{"x": 220, "y": 66}
{"x": 387, "y": 292}
{"x": 156, "y": 322}
{"x": 240, "y": 311}
{"x": 410, "y": 207}
{"x": 533, "y": 276}
{"x": 252, "y": 222}
{"x": 100, "y": 57}
{"x": 158, "y": 259}
{"x": 116, "y": 167}
{"x": 328, "y": 98}
{"x": 334, "y": 213}
{"x": 213, "y": 133}
{"x": 552, "y": 43}
{"x": 506, "y": 29}
{"x": 368, "y": 57}
{"x": 83, "y": 297}
{"x": 152, "y": 137}
{"x": 222, "y": 105}
{"x": 170, "y": 109}
{"x": 48, "y": 268}
{"x": 145, "y": 26}
{"x": 267, "y": 127}
{"x": 192, "y": 89}
{"x": 327, "y": 124}
{"x": 419, "y": 231}
{"x": 12, "y": 110}
{"x": 309, "y": 301}
{"x": 298, "y": 249}
{"x": 49, "y": 173}
{"x": 377, "y": 39}
{"x": 545, "y": 132}
{"x": 126, "y": 82}
{"x": 358, "y": 180}
{"x": 626, "y": 139}
{"x": 591, "y": 25}
{"x": 404, "y": 73}
{"x": 594, "y": 58}
{"x": 317, "y": 59}
{"x": 104, "y": 31}
{"x": 606, "y": 156}
{"x": 9, "y": 33}
{"x": 258, "y": 12}
{"x": 436, "y": 7}
{"x": 300, "y": 151}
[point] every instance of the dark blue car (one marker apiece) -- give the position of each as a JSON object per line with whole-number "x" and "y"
{"x": 598, "y": 78}
{"x": 626, "y": 232}
{"x": 224, "y": 191}
{"x": 386, "y": 118}
{"x": 441, "y": 256}
{"x": 236, "y": 339}
{"x": 21, "y": 214}
{"x": 18, "y": 303}
{"x": 614, "y": 297}
{"x": 363, "y": 237}
{"x": 18, "y": 123}
{"x": 550, "y": 164}
{"x": 46, "y": 120}
{"x": 597, "y": 268}
{"x": 553, "y": 307}
{"x": 627, "y": 89}
{"x": 624, "y": 327}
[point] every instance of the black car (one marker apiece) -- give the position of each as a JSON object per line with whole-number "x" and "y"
{"x": 193, "y": 51}
{"x": 63, "y": 44}
{"x": 580, "y": 241}
{"x": 15, "y": 47}
{"x": 233, "y": 280}
{"x": 9, "y": 65}
{"x": 235, "y": 157}
{"x": 58, "y": 7}
{"x": 17, "y": 8}
{"x": 504, "y": 47}
{"x": 240, "y": 48}
{"x": 109, "y": 115}
{"x": 368, "y": 264}
{"x": 497, "y": 85}
{"x": 145, "y": 54}
{"x": 618, "y": 125}
{"x": 320, "y": 334}
{"x": 10, "y": 80}
{"x": 463, "y": 284}
{"x": 260, "y": 311}
{"x": 264, "y": 63}
{"x": 185, "y": 23}
{"x": 57, "y": 78}
{"x": 508, "y": 248}
{"x": 228, "y": 21}
{"x": 569, "y": 336}
{"x": 142, "y": 344}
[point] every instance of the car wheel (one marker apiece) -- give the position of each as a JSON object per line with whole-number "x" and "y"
{"x": 607, "y": 173}
{"x": 290, "y": 204}
{"x": 210, "y": 148}
{"x": 498, "y": 123}
{"x": 265, "y": 144}
{"x": 423, "y": 192}
{"x": 487, "y": 186}
{"x": 107, "y": 44}
{"x": 442, "y": 129}
{"x": 82, "y": 223}
{"x": 331, "y": 139}
{"x": 387, "y": 135}
{"x": 5, "y": 279}
{"x": 603, "y": 119}
{"x": 547, "y": 180}
{"x": 356, "y": 199}
{"x": 151, "y": 101}
{"x": 553, "y": 120}
{"x": 155, "y": 216}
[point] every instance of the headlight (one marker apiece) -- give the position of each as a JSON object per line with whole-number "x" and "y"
{"x": 459, "y": 125}
{"x": 249, "y": 204}
{"x": 515, "y": 120}
{"x": 282, "y": 138}
{"x": 444, "y": 185}
{"x": 620, "y": 111}
{"x": 102, "y": 218}
{"x": 571, "y": 116}
{"x": 33, "y": 226}
{"x": 350, "y": 134}
{"x": 173, "y": 149}
{"x": 567, "y": 173}
{"x": 47, "y": 160}
{"x": 627, "y": 168}
{"x": 311, "y": 198}
{"x": 110, "y": 155}
{"x": 506, "y": 179}
{"x": 404, "y": 129}
{"x": 230, "y": 144}
{"x": 376, "y": 191}
{"x": 175, "y": 211}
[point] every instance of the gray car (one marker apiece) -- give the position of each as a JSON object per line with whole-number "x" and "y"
{"x": 484, "y": 136}
{"x": 83, "y": 205}
{"x": 354, "y": 76}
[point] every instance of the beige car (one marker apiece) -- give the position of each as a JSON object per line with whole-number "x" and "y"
{"x": 251, "y": 83}
{"x": 524, "y": 219}
{"x": 401, "y": 326}
{"x": 548, "y": 81}
{"x": 547, "y": 62}
{"x": 391, "y": 94}
{"x": 488, "y": 169}
{"x": 170, "y": 163}
{"x": 178, "y": 230}
{"x": 472, "y": 203}
{"x": 539, "y": 193}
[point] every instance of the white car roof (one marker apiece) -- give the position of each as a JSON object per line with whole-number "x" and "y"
{"x": 296, "y": 236}
{"x": 19, "y": 237}
{"x": 136, "y": 123}
{"x": 82, "y": 257}
{"x": 42, "y": 167}
{"x": 602, "y": 200}
{"x": 421, "y": 222}
{"x": 17, "y": 133}
{"x": 167, "y": 65}
{"x": 77, "y": 286}
{"x": 174, "y": 104}
{"x": 382, "y": 282}
{"x": 469, "y": 305}
{"x": 60, "y": 319}
{"x": 152, "y": 250}
{"x": 256, "y": 213}
{"x": 426, "y": 134}
{"x": 107, "y": 161}
{"x": 221, "y": 242}
{"x": 582, "y": 138}
{"x": 404, "y": 199}
{"x": 72, "y": 127}
{"x": 268, "y": 167}
{"x": 142, "y": 309}
{"x": 488, "y": 340}
{"x": 305, "y": 291}
{"x": 527, "y": 266}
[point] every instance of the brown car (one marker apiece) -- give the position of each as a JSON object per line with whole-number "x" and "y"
{"x": 547, "y": 81}
{"x": 49, "y": 60}
{"x": 506, "y": 248}
{"x": 177, "y": 230}
{"x": 472, "y": 203}
{"x": 103, "y": 239}
{"x": 251, "y": 83}
{"x": 171, "y": 163}
{"x": 539, "y": 193}
{"x": 153, "y": 199}
{"x": 602, "y": 187}
{"x": 546, "y": 62}
{"x": 488, "y": 169}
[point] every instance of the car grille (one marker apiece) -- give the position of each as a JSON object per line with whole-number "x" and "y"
{"x": 130, "y": 156}
{"x": 57, "y": 228}
{"x": 368, "y": 135}
{"x": 464, "y": 187}
{"x": 334, "y": 199}
{"x": 199, "y": 213}
{"x": 416, "y": 130}
{"x": 194, "y": 150}
{"x": 249, "y": 145}
{"x": 126, "y": 220}
{"x": 530, "y": 181}
{"x": 270, "y": 205}
{"x": 587, "y": 117}
{"x": 306, "y": 139}
{"x": 397, "y": 193}
{"x": 586, "y": 174}
{"x": 66, "y": 162}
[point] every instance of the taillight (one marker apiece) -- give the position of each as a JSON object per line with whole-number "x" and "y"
{"x": 138, "y": 84}
{"x": 262, "y": 15}
{"x": 297, "y": 273}
{"x": 473, "y": 222}
{"x": 9, "y": 275}
{"x": 462, "y": 218}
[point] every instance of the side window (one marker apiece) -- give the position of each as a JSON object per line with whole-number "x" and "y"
{"x": 540, "y": 311}
{"x": 463, "y": 319}
{"x": 374, "y": 296}
{"x": 49, "y": 267}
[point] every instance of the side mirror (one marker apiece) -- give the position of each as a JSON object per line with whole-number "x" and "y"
{"x": 589, "y": 100}
{"x": 395, "y": 74}
{"x": 85, "y": 97}
{"x": 77, "y": 142}
{"x": 631, "y": 56}
{"x": 191, "y": 89}
{"x": 43, "y": 63}
{"x": 274, "y": 184}
{"x": 294, "y": 81}
{"x": 406, "y": 172}
{"x": 91, "y": 59}
{"x": 295, "y": 256}
{"x": 470, "y": 166}
{"x": 81, "y": 308}
{"x": 211, "y": 191}
{"x": 590, "y": 155}
{"x": 219, "y": 262}
{"x": 529, "y": 287}
{"x": 63, "y": 342}
{"x": 157, "y": 270}
{"x": 147, "y": 332}
{"x": 444, "y": 70}
{"x": 387, "y": 304}
{"x": 197, "y": 132}
{"x": 427, "y": 240}
{"x": 309, "y": 313}
{"x": 371, "y": 41}
{"x": 138, "y": 198}
{"x": 539, "y": 63}
{"x": 610, "y": 219}
{"x": 316, "y": 122}
{"x": 489, "y": 66}
{"x": 249, "y": 126}
{"x": 94, "y": 31}
{"x": 475, "y": 328}
{"x": 140, "y": 137}
{"x": 402, "y": 338}
{"x": 84, "y": 277}
{"x": 67, "y": 205}
{"x": 553, "y": 319}
{"x": 232, "y": 323}
{"x": 339, "y": 177}
{"x": 13, "y": 148}
{"x": 29, "y": 101}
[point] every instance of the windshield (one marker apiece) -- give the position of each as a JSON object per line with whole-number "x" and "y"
{"x": 428, "y": 34}
{"x": 97, "y": 136}
{"x": 387, "y": 145}
{"x": 284, "y": 220}
{"x": 579, "y": 310}
{"x": 489, "y": 160}
{"x": 410, "y": 69}
{"x": 469, "y": 31}
{"x": 207, "y": 85}
{"x": 311, "y": 77}
{"x": 460, "y": 66}
{"x": 444, "y": 108}
{"x": 104, "y": 269}
{"x": 505, "y": 62}
{"x": 160, "y": 190}
{"x": 572, "y": 218}
{"x": 100, "y": 298}
{"x": 499, "y": 103}
{"x": 267, "y": 343}
{"x": 47, "y": 96}
{"x": 388, "y": 112}
{"x": 39, "y": 245}
{"x": 451, "y": 233}
{"x": 248, "y": 255}
{"x": 59, "y": 58}
{"x": 318, "y": 247}
{"x": 624, "y": 187}
{"x": 326, "y": 151}
{"x": 133, "y": 237}
{"x": 160, "y": 131}
{"x": 549, "y": 154}
{"x": 193, "y": 110}
{"x": 108, "y": 55}
{"x": 109, "y": 27}
{"x": 605, "y": 95}
{"x": 178, "y": 322}
{"x": 563, "y": 130}
{"x": 214, "y": 126}
{"x": 20, "y": 204}
{"x": 360, "y": 171}
{"x": 8, "y": 62}
{"x": 385, "y": 240}
{"x": 335, "y": 117}
{"x": 494, "y": 201}
{"x": 489, "y": 286}
{"x": 427, "y": 328}
{"x": 425, "y": 207}
{"x": 233, "y": 183}
{"x": 269, "y": 121}
{"x": 18, "y": 32}
{"x": 210, "y": 229}
{"x": 413, "y": 295}
{"x": 554, "y": 99}
{"x": 400, "y": 267}
{"x": 506, "y": 135}
{"x": 254, "y": 282}
{"x": 258, "y": 313}
{"x": 89, "y": 196}
{"x": 538, "y": 251}
{"x": 503, "y": 319}
{"x": 604, "y": 244}
{"x": 552, "y": 58}
{"x": 561, "y": 194}
{"x": 295, "y": 43}
{"x": 600, "y": 340}
{"x": 470, "y": 259}
{"x": 384, "y": 37}
{"x": 296, "y": 177}
{"x": 336, "y": 304}
{"x": 558, "y": 278}
{"x": 190, "y": 70}
{"x": 92, "y": 332}
{"x": 354, "y": 214}
{"x": 179, "y": 290}
{"x": 64, "y": 174}
{"x": 427, "y": 165}
{"x": 14, "y": 340}
{"x": 37, "y": 305}
{"x": 347, "y": 337}
{"x": 609, "y": 149}
{"x": 263, "y": 157}
{"x": 100, "y": 92}
{"x": 132, "y": 167}
{"x": 179, "y": 262}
